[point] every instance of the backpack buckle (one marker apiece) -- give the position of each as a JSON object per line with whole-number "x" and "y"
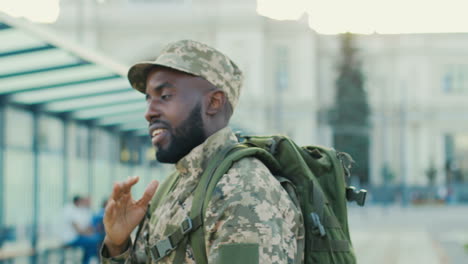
{"x": 186, "y": 226}
{"x": 358, "y": 196}
{"x": 317, "y": 224}
{"x": 161, "y": 249}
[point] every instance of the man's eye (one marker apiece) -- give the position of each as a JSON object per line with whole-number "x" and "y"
{"x": 166, "y": 96}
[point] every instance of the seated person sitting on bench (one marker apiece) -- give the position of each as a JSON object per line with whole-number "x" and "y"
{"x": 78, "y": 231}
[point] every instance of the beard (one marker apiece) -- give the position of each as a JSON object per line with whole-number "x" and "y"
{"x": 184, "y": 138}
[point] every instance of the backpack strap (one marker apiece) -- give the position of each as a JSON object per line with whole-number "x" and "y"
{"x": 196, "y": 232}
{"x": 162, "y": 192}
{"x": 208, "y": 182}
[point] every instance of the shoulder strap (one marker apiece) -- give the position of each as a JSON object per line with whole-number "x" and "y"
{"x": 216, "y": 169}
{"x": 197, "y": 241}
{"x": 163, "y": 190}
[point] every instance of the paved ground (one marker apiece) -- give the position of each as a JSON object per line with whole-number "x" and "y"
{"x": 422, "y": 234}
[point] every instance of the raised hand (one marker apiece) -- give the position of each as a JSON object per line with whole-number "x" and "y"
{"x": 123, "y": 213}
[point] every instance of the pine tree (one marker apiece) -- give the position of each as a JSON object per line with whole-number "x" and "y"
{"x": 349, "y": 116}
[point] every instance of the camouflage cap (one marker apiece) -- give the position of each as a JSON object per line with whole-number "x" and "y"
{"x": 197, "y": 59}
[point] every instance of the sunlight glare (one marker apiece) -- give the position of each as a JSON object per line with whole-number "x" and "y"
{"x": 43, "y": 11}
{"x": 370, "y": 16}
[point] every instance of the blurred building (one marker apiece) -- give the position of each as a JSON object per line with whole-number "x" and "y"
{"x": 418, "y": 90}
{"x": 278, "y": 58}
{"x": 417, "y": 83}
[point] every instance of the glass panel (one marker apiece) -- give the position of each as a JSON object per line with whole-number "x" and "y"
{"x": 70, "y": 91}
{"x": 53, "y": 77}
{"x": 50, "y": 195}
{"x": 78, "y": 182}
{"x": 19, "y": 129}
{"x": 123, "y": 172}
{"x": 137, "y": 125}
{"x": 143, "y": 132}
{"x": 102, "y": 183}
{"x": 51, "y": 133}
{"x": 124, "y": 118}
{"x": 111, "y": 110}
{"x": 81, "y": 142}
{"x": 19, "y": 192}
{"x": 36, "y": 60}
{"x": 139, "y": 188}
{"x": 13, "y": 39}
{"x": 94, "y": 101}
{"x": 102, "y": 142}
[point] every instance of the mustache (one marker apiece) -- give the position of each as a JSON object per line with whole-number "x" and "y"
{"x": 161, "y": 122}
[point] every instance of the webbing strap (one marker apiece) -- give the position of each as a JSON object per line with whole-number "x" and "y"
{"x": 318, "y": 200}
{"x": 330, "y": 221}
{"x": 317, "y": 215}
{"x": 180, "y": 252}
{"x": 325, "y": 244}
{"x": 175, "y": 240}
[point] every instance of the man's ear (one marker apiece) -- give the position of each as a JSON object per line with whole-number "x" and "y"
{"x": 216, "y": 100}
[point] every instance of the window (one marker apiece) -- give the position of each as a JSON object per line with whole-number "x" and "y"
{"x": 19, "y": 128}
{"x": 81, "y": 138}
{"x": 456, "y": 152}
{"x": 50, "y": 134}
{"x": 281, "y": 71}
{"x": 455, "y": 79}
{"x": 130, "y": 150}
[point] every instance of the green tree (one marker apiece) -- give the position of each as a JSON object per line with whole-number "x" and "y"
{"x": 431, "y": 173}
{"x": 349, "y": 116}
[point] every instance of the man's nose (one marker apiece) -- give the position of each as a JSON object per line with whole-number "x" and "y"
{"x": 152, "y": 111}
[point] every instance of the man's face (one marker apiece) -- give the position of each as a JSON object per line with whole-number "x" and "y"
{"x": 174, "y": 113}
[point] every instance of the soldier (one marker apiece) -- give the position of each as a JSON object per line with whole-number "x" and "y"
{"x": 191, "y": 91}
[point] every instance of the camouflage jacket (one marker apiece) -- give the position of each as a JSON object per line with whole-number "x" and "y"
{"x": 248, "y": 206}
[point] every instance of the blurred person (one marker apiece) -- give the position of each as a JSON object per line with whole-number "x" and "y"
{"x": 191, "y": 91}
{"x": 78, "y": 231}
{"x": 98, "y": 221}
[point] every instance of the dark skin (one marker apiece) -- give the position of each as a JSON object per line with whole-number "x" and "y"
{"x": 171, "y": 95}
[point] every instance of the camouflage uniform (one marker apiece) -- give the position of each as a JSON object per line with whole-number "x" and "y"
{"x": 248, "y": 206}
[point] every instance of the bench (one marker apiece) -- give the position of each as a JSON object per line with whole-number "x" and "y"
{"x": 47, "y": 252}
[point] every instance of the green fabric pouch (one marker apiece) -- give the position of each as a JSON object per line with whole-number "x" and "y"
{"x": 238, "y": 254}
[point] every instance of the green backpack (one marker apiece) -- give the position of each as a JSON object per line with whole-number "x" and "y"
{"x": 313, "y": 176}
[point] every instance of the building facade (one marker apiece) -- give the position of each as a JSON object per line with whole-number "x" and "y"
{"x": 417, "y": 83}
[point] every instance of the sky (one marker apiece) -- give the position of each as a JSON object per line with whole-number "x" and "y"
{"x": 325, "y": 16}
{"x": 373, "y": 16}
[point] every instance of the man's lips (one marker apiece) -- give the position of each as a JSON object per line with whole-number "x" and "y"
{"x": 157, "y": 133}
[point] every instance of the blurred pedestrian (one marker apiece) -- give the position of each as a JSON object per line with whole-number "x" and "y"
{"x": 78, "y": 231}
{"x": 97, "y": 221}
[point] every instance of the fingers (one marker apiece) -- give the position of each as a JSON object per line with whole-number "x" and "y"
{"x": 127, "y": 184}
{"x": 148, "y": 194}
{"x": 121, "y": 188}
{"x": 110, "y": 211}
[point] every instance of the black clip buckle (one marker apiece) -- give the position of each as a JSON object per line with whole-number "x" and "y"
{"x": 318, "y": 224}
{"x": 358, "y": 196}
{"x": 163, "y": 247}
{"x": 186, "y": 226}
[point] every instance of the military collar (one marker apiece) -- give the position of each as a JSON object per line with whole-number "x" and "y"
{"x": 196, "y": 161}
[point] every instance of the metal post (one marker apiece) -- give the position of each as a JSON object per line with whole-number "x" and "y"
{"x": 36, "y": 182}
{"x": 66, "y": 158}
{"x": 114, "y": 155}
{"x": 2, "y": 162}
{"x": 91, "y": 156}
{"x": 403, "y": 144}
